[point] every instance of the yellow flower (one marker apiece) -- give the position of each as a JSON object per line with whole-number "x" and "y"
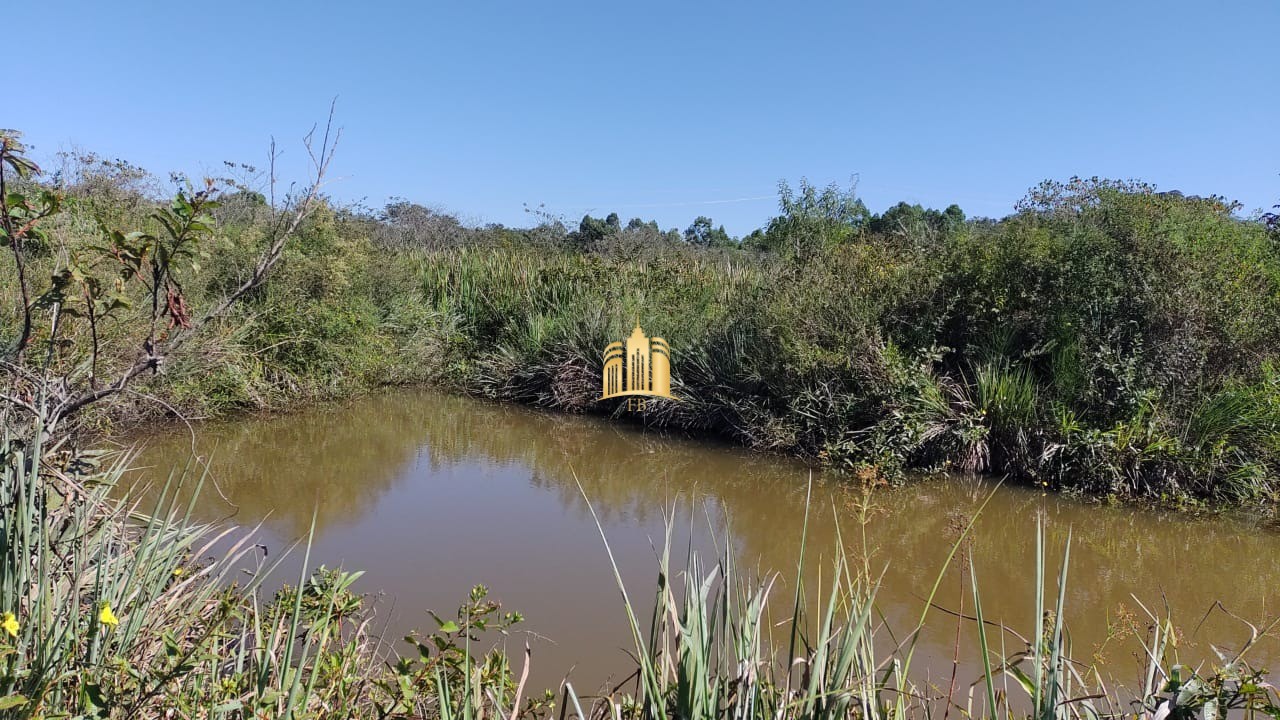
{"x": 106, "y": 617}
{"x": 9, "y": 623}
{"x": 179, "y": 572}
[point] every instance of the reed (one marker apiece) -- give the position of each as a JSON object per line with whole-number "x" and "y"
{"x": 708, "y": 653}
{"x": 113, "y": 610}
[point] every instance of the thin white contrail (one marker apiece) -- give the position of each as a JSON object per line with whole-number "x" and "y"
{"x": 677, "y": 204}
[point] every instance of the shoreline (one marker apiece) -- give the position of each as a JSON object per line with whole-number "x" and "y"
{"x": 1263, "y": 512}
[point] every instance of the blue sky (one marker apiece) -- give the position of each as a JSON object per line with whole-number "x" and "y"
{"x": 667, "y": 110}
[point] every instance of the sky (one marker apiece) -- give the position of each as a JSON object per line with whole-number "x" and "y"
{"x": 665, "y": 110}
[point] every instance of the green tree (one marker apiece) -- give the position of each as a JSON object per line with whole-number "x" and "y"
{"x": 756, "y": 240}
{"x": 591, "y": 231}
{"x": 638, "y": 224}
{"x": 412, "y": 225}
{"x": 1272, "y": 220}
{"x": 811, "y": 219}
{"x": 704, "y": 234}
{"x": 917, "y": 221}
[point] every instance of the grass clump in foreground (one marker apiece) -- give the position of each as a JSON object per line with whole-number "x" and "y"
{"x": 114, "y": 612}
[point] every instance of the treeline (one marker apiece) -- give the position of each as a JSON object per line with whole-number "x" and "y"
{"x": 401, "y": 223}
{"x": 1104, "y": 338}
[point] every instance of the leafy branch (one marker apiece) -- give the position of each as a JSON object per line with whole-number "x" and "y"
{"x": 93, "y": 285}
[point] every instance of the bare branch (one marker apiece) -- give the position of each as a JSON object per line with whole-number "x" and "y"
{"x": 301, "y": 210}
{"x": 19, "y": 402}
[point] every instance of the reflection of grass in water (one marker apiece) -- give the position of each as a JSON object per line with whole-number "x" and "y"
{"x": 113, "y": 611}
{"x": 334, "y": 459}
{"x": 345, "y": 455}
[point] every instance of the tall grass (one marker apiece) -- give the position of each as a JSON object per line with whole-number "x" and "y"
{"x": 866, "y": 357}
{"x": 113, "y": 610}
{"x": 712, "y": 649}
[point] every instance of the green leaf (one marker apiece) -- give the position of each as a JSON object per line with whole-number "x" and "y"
{"x": 1023, "y": 680}
{"x": 93, "y": 692}
{"x": 12, "y": 701}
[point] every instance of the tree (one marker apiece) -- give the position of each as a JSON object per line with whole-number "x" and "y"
{"x": 1052, "y": 197}
{"x": 901, "y": 219}
{"x": 638, "y": 224}
{"x": 591, "y": 231}
{"x": 409, "y": 224}
{"x": 916, "y": 221}
{"x": 1272, "y": 220}
{"x": 703, "y": 234}
{"x": 756, "y": 241}
{"x": 953, "y": 217}
{"x": 811, "y": 218}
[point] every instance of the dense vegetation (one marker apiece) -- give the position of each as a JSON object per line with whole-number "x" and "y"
{"x": 1105, "y": 338}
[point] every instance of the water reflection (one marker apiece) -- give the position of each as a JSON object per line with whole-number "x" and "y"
{"x": 432, "y": 493}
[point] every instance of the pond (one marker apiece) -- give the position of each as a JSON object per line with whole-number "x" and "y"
{"x": 430, "y": 494}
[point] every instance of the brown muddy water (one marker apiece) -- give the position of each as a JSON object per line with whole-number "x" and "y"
{"x": 431, "y": 494}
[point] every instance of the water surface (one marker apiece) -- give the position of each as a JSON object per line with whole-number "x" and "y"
{"x": 431, "y": 494}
